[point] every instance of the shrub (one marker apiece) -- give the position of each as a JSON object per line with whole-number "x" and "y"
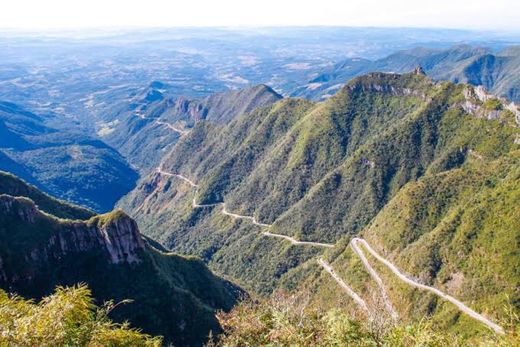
{"x": 66, "y": 318}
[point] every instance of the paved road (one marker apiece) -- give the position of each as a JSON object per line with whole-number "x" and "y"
{"x": 355, "y": 244}
{"x": 436, "y": 291}
{"x": 300, "y": 243}
{"x": 375, "y": 277}
{"x": 160, "y": 122}
{"x": 171, "y": 127}
{"x": 357, "y": 299}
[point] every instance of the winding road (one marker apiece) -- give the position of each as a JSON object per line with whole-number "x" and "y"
{"x": 161, "y": 123}
{"x": 375, "y": 277}
{"x": 357, "y": 299}
{"x": 171, "y": 127}
{"x": 239, "y": 216}
{"x": 296, "y": 242}
{"x": 357, "y": 245}
{"x": 435, "y": 291}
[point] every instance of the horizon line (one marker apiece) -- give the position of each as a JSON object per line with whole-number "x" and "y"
{"x": 238, "y": 27}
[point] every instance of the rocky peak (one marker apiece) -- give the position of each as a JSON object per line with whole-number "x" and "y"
{"x": 265, "y": 89}
{"x": 192, "y": 108}
{"x": 391, "y": 84}
{"x": 120, "y": 236}
{"x": 22, "y": 207}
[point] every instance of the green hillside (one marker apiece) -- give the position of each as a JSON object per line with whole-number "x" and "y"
{"x": 328, "y": 171}
{"x": 14, "y": 186}
{"x": 154, "y": 121}
{"x": 456, "y": 230}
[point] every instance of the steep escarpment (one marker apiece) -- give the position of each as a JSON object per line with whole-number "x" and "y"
{"x": 317, "y": 172}
{"x": 115, "y": 235}
{"x": 172, "y": 296}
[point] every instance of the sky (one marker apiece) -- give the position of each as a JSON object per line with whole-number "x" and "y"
{"x": 60, "y": 14}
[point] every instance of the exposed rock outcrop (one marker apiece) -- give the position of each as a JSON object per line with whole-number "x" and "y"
{"x": 419, "y": 71}
{"x": 475, "y": 99}
{"x": 170, "y": 295}
{"x": 193, "y": 108}
{"x": 116, "y": 234}
{"x": 371, "y": 83}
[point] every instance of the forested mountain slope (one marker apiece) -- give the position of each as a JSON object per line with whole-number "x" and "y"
{"x": 171, "y": 295}
{"x": 322, "y": 172}
{"x": 14, "y": 186}
{"x": 153, "y": 121}
{"x": 455, "y": 230}
{"x": 62, "y": 162}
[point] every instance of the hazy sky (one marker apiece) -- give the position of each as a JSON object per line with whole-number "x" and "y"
{"x": 480, "y": 14}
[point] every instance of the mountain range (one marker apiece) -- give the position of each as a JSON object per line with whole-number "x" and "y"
{"x": 496, "y": 71}
{"x": 395, "y": 158}
{"x": 367, "y": 197}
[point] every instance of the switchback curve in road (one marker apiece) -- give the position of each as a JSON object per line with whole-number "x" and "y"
{"x": 355, "y": 246}
{"x": 434, "y": 290}
{"x": 375, "y": 277}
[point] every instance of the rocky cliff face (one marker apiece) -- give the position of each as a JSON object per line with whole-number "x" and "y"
{"x": 171, "y": 295}
{"x": 480, "y": 103}
{"x": 390, "y": 84}
{"x": 115, "y": 236}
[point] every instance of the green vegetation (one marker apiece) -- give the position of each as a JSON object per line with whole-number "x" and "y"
{"x": 171, "y": 296}
{"x": 12, "y": 185}
{"x": 142, "y": 140}
{"x": 328, "y": 171}
{"x": 62, "y": 162}
{"x": 493, "y": 104}
{"x": 68, "y": 317}
{"x": 291, "y": 320}
{"x": 455, "y": 230}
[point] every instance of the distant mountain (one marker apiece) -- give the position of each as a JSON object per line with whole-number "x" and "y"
{"x": 497, "y": 72}
{"x": 154, "y": 121}
{"x": 66, "y": 163}
{"x": 171, "y": 295}
{"x": 245, "y": 195}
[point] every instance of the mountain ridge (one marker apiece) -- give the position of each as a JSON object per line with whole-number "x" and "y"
{"x": 495, "y": 71}
{"x": 159, "y": 123}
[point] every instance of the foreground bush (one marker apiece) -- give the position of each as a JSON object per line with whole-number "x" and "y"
{"x": 66, "y": 318}
{"x": 289, "y": 320}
